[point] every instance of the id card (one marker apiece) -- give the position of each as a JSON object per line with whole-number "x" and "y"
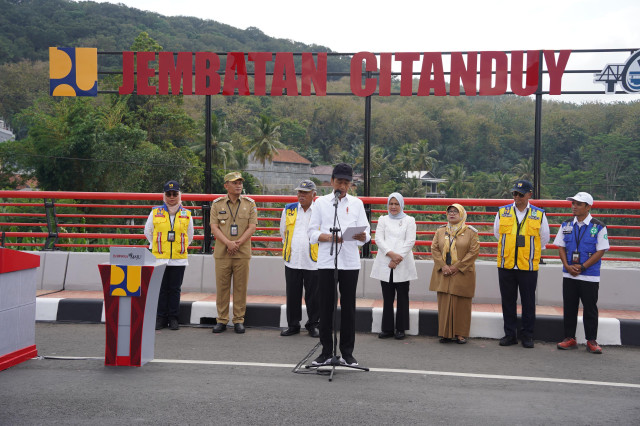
{"x": 233, "y": 230}
{"x": 520, "y": 241}
{"x": 448, "y": 259}
{"x": 171, "y": 236}
{"x": 575, "y": 257}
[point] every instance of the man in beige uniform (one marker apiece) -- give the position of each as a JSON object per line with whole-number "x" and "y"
{"x": 233, "y": 220}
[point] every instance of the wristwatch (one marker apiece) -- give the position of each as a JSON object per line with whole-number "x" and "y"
{"x": 582, "y": 268}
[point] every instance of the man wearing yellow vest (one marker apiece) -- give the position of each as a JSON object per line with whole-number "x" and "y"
{"x": 169, "y": 229}
{"x": 522, "y": 231}
{"x": 300, "y": 262}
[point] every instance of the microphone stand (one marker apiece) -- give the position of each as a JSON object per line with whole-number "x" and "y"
{"x": 335, "y": 359}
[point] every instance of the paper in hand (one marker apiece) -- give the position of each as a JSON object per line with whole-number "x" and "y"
{"x": 348, "y": 234}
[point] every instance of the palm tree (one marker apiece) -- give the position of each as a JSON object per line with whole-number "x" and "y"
{"x": 266, "y": 141}
{"x": 221, "y": 150}
{"x": 524, "y": 169}
{"x": 456, "y": 185}
{"x": 413, "y": 188}
{"x": 503, "y": 185}
{"x": 423, "y": 156}
{"x": 406, "y": 157}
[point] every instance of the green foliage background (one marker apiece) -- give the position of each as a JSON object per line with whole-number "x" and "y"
{"x": 134, "y": 143}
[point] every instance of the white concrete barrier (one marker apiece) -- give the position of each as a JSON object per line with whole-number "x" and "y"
{"x": 619, "y": 288}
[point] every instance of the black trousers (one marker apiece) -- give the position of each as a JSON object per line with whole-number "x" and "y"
{"x": 347, "y": 283}
{"x": 512, "y": 281}
{"x": 574, "y": 291}
{"x": 297, "y": 280}
{"x": 169, "y": 299}
{"x": 389, "y": 291}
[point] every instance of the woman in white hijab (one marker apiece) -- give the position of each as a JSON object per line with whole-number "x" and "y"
{"x": 455, "y": 249}
{"x": 394, "y": 265}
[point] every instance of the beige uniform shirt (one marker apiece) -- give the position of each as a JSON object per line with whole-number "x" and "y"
{"x": 223, "y": 212}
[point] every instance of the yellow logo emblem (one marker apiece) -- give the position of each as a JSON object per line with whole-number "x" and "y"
{"x": 73, "y": 71}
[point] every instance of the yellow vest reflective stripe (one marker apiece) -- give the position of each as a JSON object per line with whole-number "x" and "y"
{"x": 291, "y": 213}
{"x": 163, "y": 249}
{"x": 528, "y": 257}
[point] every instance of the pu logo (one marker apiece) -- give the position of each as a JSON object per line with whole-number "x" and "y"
{"x": 125, "y": 280}
{"x": 73, "y": 71}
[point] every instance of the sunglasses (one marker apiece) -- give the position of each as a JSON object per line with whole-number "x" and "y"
{"x": 517, "y": 194}
{"x": 171, "y": 193}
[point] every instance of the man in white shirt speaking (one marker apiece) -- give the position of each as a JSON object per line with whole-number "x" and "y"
{"x": 300, "y": 261}
{"x": 350, "y": 213}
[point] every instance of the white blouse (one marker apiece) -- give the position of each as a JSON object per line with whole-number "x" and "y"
{"x": 398, "y": 236}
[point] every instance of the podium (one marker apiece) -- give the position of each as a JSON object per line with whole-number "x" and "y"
{"x": 131, "y": 286}
{"x": 18, "y": 283}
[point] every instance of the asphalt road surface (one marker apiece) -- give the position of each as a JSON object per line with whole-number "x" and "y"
{"x": 201, "y": 378}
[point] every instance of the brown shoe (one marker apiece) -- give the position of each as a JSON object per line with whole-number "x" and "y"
{"x": 593, "y": 347}
{"x": 568, "y": 343}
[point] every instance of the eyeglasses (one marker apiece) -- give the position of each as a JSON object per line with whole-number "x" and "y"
{"x": 452, "y": 212}
{"x": 172, "y": 193}
{"x": 517, "y": 194}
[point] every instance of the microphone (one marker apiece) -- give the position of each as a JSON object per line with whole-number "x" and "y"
{"x": 337, "y": 194}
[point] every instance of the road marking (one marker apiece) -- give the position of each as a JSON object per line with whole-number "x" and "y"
{"x": 421, "y": 372}
{"x": 380, "y": 370}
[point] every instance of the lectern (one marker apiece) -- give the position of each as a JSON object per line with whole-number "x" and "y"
{"x": 18, "y": 282}
{"x": 131, "y": 286}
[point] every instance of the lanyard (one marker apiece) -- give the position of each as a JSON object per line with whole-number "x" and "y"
{"x": 580, "y": 234}
{"x": 523, "y": 220}
{"x": 233, "y": 216}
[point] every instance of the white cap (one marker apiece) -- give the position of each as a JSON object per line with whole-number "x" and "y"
{"x": 583, "y": 197}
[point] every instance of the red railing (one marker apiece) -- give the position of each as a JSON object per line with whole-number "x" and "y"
{"x": 62, "y": 216}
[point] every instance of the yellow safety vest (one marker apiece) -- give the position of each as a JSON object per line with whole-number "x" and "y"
{"x": 528, "y": 256}
{"x": 290, "y": 217}
{"x": 163, "y": 249}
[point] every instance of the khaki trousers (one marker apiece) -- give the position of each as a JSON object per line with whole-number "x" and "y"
{"x": 239, "y": 270}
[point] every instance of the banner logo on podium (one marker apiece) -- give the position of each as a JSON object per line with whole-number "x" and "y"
{"x": 73, "y": 71}
{"x": 125, "y": 280}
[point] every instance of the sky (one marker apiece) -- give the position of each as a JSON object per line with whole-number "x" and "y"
{"x": 435, "y": 26}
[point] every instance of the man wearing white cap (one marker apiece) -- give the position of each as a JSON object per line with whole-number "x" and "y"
{"x": 581, "y": 244}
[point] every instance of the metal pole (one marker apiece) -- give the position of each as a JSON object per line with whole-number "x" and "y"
{"x": 537, "y": 158}
{"x": 366, "y": 249}
{"x": 206, "y": 206}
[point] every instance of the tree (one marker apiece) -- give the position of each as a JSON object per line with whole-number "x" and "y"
{"x": 266, "y": 140}
{"x": 524, "y": 169}
{"x": 424, "y": 157}
{"x": 456, "y": 185}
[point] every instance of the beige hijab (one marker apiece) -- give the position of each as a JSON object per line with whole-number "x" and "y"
{"x": 452, "y": 232}
{"x": 173, "y": 210}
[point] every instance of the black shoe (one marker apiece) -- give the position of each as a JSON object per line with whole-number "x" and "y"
{"x": 314, "y": 332}
{"x": 508, "y": 341}
{"x": 219, "y": 327}
{"x": 399, "y": 335}
{"x": 527, "y": 342}
{"x": 385, "y": 334}
{"x": 445, "y": 340}
{"x": 161, "y": 323}
{"x": 173, "y": 324}
{"x": 238, "y": 328}
{"x": 290, "y": 331}
{"x": 348, "y": 360}
{"x": 323, "y": 359}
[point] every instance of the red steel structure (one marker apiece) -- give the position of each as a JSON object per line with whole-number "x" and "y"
{"x": 124, "y": 220}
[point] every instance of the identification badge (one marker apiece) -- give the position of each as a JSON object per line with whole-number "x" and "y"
{"x": 567, "y": 229}
{"x": 171, "y": 236}
{"x": 520, "y": 241}
{"x": 448, "y": 259}
{"x": 233, "y": 230}
{"x": 575, "y": 257}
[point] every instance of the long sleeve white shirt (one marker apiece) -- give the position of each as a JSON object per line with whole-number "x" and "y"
{"x": 350, "y": 213}
{"x": 300, "y": 258}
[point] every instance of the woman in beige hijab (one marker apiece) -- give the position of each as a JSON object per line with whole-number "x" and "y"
{"x": 455, "y": 249}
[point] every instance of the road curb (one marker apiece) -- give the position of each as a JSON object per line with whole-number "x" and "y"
{"x": 611, "y": 331}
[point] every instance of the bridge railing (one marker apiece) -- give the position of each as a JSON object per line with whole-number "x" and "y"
{"x": 95, "y": 221}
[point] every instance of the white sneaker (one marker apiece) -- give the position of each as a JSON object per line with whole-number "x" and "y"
{"x": 348, "y": 360}
{"x": 323, "y": 359}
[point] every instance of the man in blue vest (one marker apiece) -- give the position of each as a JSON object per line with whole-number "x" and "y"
{"x": 300, "y": 262}
{"x": 522, "y": 231}
{"x": 581, "y": 244}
